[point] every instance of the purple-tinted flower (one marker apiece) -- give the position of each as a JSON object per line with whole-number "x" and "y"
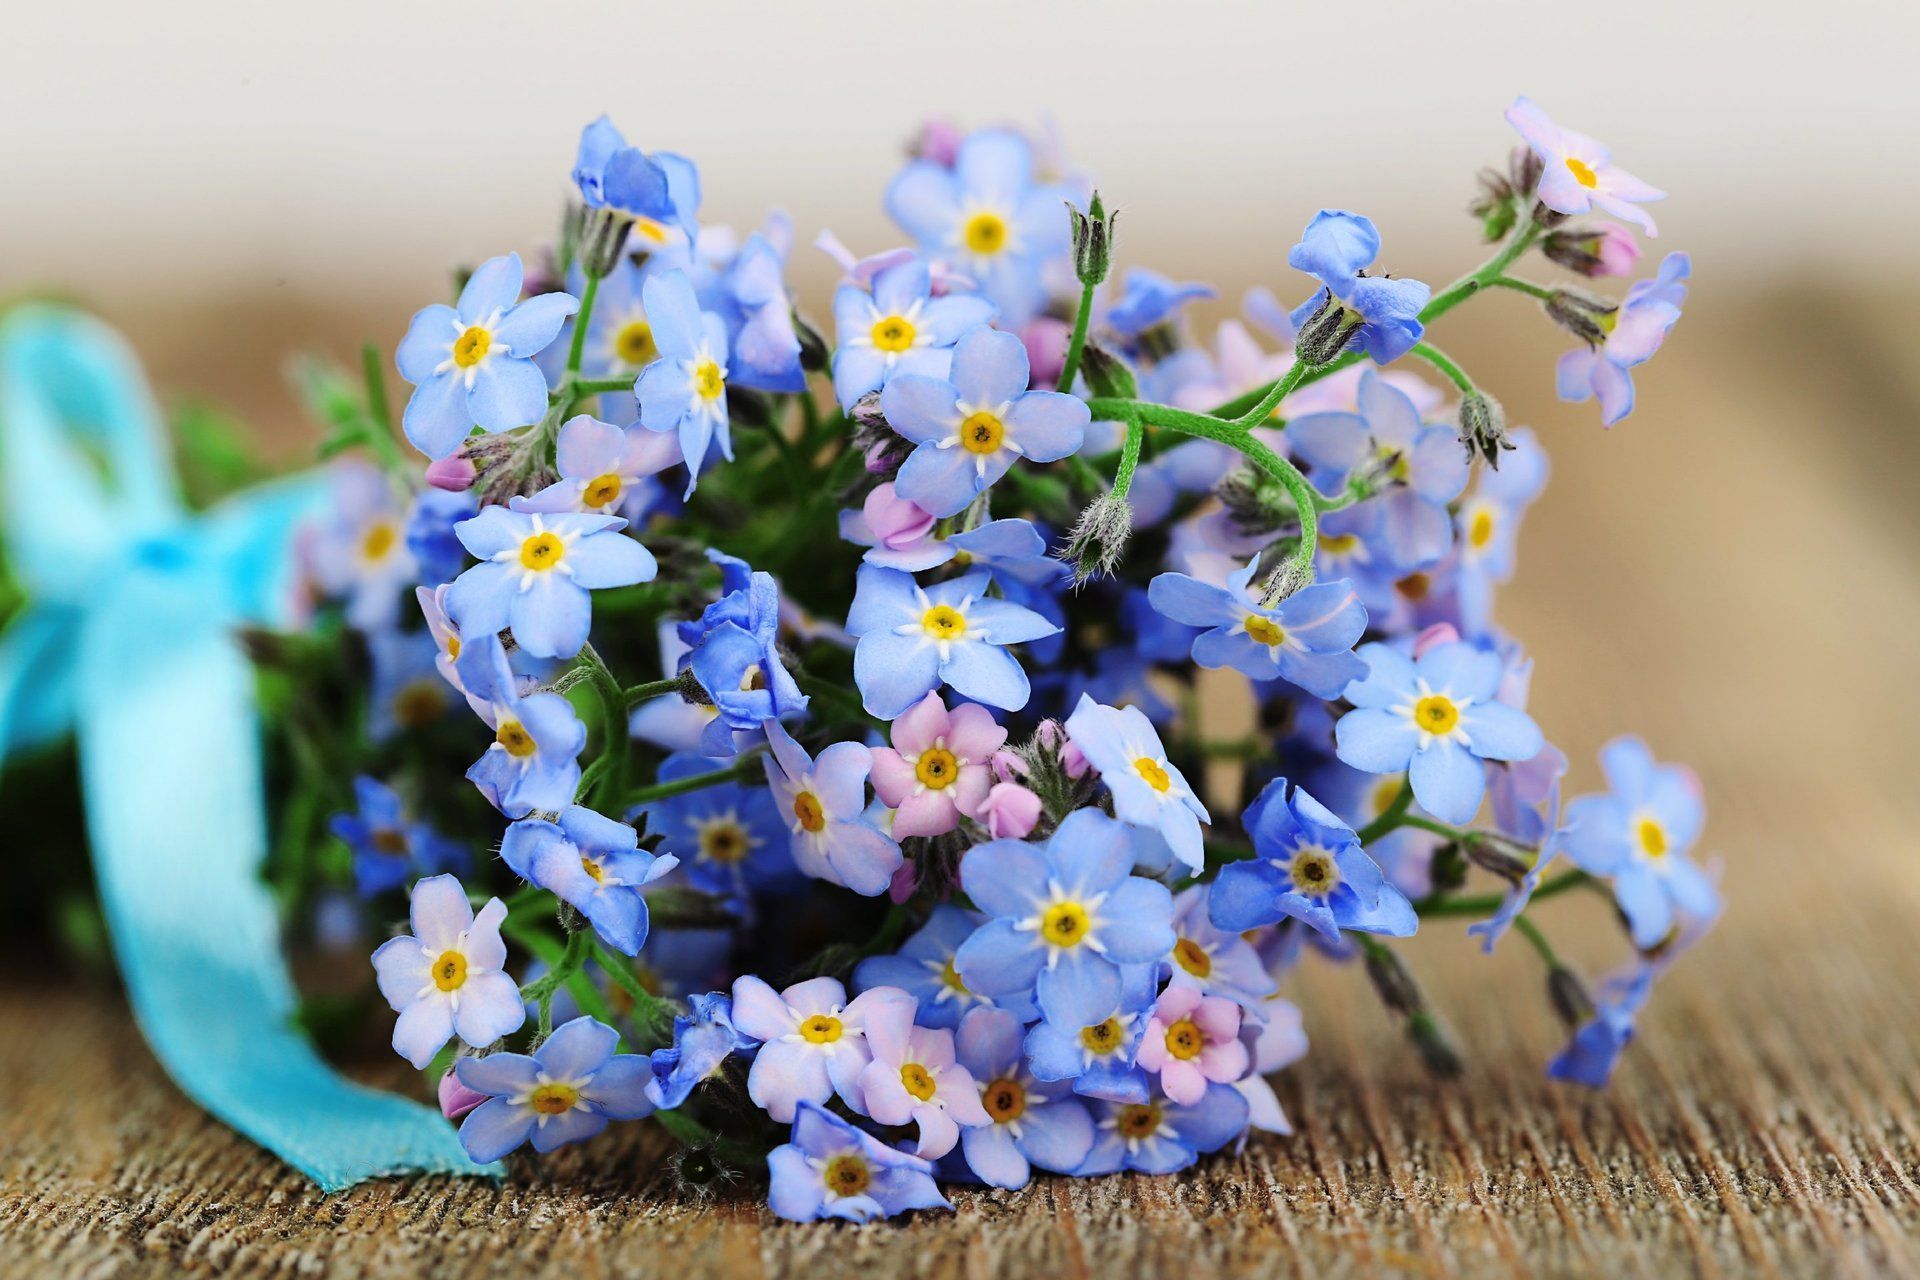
{"x": 823, "y": 802}
{"x": 1160, "y": 1135}
{"x": 535, "y": 573}
{"x": 1639, "y": 833}
{"x": 1380, "y": 314}
{"x": 813, "y": 1040}
{"x": 1010, "y": 811}
{"x": 389, "y": 846}
{"x": 1191, "y": 1041}
{"x": 456, "y": 1100}
{"x": 969, "y": 427}
{"x": 701, "y": 1044}
{"x": 534, "y": 759}
{"x": 604, "y": 469}
{"x": 1597, "y": 1044}
{"x": 914, "y": 1079}
{"x": 1652, "y": 307}
{"x": 446, "y": 977}
{"x": 912, "y": 639}
{"x": 1148, "y": 790}
{"x": 1306, "y": 640}
{"x": 832, "y": 1170}
{"x": 592, "y": 862}
{"x": 567, "y": 1091}
{"x": 684, "y": 390}
{"x": 1029, "y": 1122}
{"x": 937, "y": 768}
{"x": 472, "y": 364}
{"x": 898, "y": 327}
{"x": 360, "y": 553}
{"x": 729, "y": 838}
{"x": 1519, "y": 894}
{"x": 656, "y": 190}
{"x": 924, "y": 969}
{"x": 1211, "y": 960}
{"x": 1578, "y": 174}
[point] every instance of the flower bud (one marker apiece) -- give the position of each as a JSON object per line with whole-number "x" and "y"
{"x": 874, "y": 436}
{"x": 1496, "y": 857}
{"x": 1496, "y": 204}
{"x": 1092, "y": 241}
{"x": 1107, "y": 373}
{"x": 455, "y": 473}
{"x": 1254, "y": 504}
{"x": 455, "y": 1098}
{"x": 603, "y": 234}
{"x": 1010, "y": 811}
{"x": 815, "y": 350}
{"x": 1287, "y": 577}
{"x": 1594, "y": 252}
{"x": 1568, "y": 996}
{"x": 1585, "y": 316}
{"x": 1483, "y": 427}
{"x": 1327, "y": 331}
{"x": 691, "y": 691}
{"x": 1099, "y": 538}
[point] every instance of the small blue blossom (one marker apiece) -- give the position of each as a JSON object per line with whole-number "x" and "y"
{"x": 759, "y": 313}
{"x": 1488, "y": 527}
{"x": 987, "y": 217}
{"x": 1652, "y": 307}
{"x": 1065, "y": 916}
{"x": 924, "y": 969}
{"x": 657, "y": 190}
{"x": 534, "y": 759}
{"x": 1034, "y": 1122}
{"x": 472, "y": 364}
{"x": 445, "y": 978}
{"x": 832, "y": 1170}
{"x": 593, "y": 863}
{"x": 898, "y": 327}
{"x": 431, "y": 539}
{"x": 823, "y": 802}
{"x": 406, "y": 690}
{"x": 535, "y": 573}
{"x": 1597, "y": 1043}
{"x": 729, "y": 838}
{"x": 1437, "y": 717}
{"x": 912, "y": 639}
{"x": 684, "y": 390}
{"x": 606, "y": 470}
{"x": 1308, "y": 866}
{"x": 1306, "y": 640}
{"x": 1148, "y": 298}
{"x": 567, "y": 1091}
{"x": 1520, "y": 894}
{"x": 1335, "y": 249}
{"x": 1161, "y": 1136}
{"x": 735, "y": 655}
{"x": 359, "y": 552}
{"x": 1639, "y": 833}
{"x": 1098, "y": 1053}
{"x": 1211, "y": 960}
{"x": 701, "y": 1044}
{"x": 969, "y": 427}
{"x": 389, "y": 847}
{"x": 1148, "y": 790}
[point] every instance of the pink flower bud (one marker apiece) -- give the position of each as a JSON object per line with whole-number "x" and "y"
{"x": 939, "y": 141}
{"x": 1616, "y": 252}
{"x": 895, "y": 522}
{"x": 1074, "y": 761}
{"x": 1010, "y": 811}
{"x": 905, "y": 881}
{"x": 455, "y": 1098}
{"x": 1046, "y": 341}
{"x": 1007, "y": 765}
{"x": 455, "y": 473}
{"x": 1438, "y": 634}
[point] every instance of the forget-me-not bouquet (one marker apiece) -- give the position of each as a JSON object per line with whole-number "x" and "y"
{"x": 834, "y": 697}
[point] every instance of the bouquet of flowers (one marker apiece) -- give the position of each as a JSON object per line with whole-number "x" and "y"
{"x": 843, "y": 753}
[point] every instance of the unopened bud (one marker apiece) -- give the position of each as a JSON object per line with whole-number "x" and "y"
{"x": 875, "y": 437}
{"x": 1106, "y": 373}
{"x": 1492, "y": 856}
{"x": 1568, "y": 996}
{"x": 1524, "y": 167}
{"x": 1253, "y": 503}
{"x": 1287, "y": 577}
{"x": 603, "y": 234}
{"x": 1594, "y": 252}
{"x": 1585, "y": 316}
{"x": 691, "y": 691}
{"x": 1394, "y": 982}
{"x": 1496, "y": 204}
{"x": 1092, "y": 241}
{"x": 1326, "y": 332}
{"x": 1483, "y": 427}
{"x": 1099, "y": 538}
{"x": 815, "y": 350}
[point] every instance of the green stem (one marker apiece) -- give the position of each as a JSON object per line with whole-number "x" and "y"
{"x": 1129, "y": 460}
{"x": 746, "y": 769}
{"x": 634, "y": 695}
{"x": 380, "y": 440}
{"x": 1446, "y": 365}
{"x": 615, "y": 739}
{"x": 580, "y": 387}
{"x": 1390, "y": 817}
{"x": 1070, "y": 366}
{"x": 1487, "y": 903}
{"x": 1527, "y": 929}
{"x": 580, "y": 319}
{"x": 1527, "y": 287}
{"x": 1279, "y": 391}
{"x": 651, "y": 1013}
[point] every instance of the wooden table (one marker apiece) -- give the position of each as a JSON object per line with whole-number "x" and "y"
{"x": 1730, "y": 573}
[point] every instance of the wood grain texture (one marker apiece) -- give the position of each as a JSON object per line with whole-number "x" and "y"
{"x": 1734, "y": 586}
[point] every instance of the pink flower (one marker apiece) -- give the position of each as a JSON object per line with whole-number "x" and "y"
{"x": 937, "y": 767}
{"x": 1190, "y": 1040}
{"x": 455, "y": 473}
{"x": 455, "y": 1098}
{"x": 1438, "y": 634}
{"x": 913, "y": 1079}
{"x": 1045, "y": 339}
{"x": 1615, "y": 252}
{"x": 1578, "y": 174}
{"x": 895, "y": 530}
{"x": 814, "y": 1040}
{"x": 1010, "y": 811}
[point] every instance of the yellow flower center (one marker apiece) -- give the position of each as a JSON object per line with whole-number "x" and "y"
{"x": 603, "y": 490}
{"x": 808, "y": 813}
{"x": 1153, "y": 773}
{"x": 1314, "y": 872}
{"x": 847, "y": 1175}
{"x": 553, "y": 1099}
{"x": 982, "y": 432}
{"x": 592, "y": 869}
{"x": 1582, "y": 173}
{"x": 450, "y": 971}
{"x": 1103, "y": 1038}
{"x": 1192, "y": 957}
{"x": 986, "y": 233}
{"x": 514, "y": 737}
{"x": 1065, "y": 924}
{"x": 652, "y": 230}
{"x": 1266, "y": 631}
{"x": 1436, "y": 714}
{"x": 723, "y": 842}
{"x": 380, "y": 538}
{"x": 1004, "y": 1100}
{"x": 634, "y": 343}
{"x": 1653, "y": 838}
{"x": 471, "y": 347}
{"x": 893, "y": 333}
{"x": 1339, "y": 544}
{"x": 944, "y": 622}
{"x": 453, "y": 648}
{"x": 821, "y": 1028}
{"x": 541, "y": 552}
{"x": 951, "y": 979}
{"x": 1414, "y": 586}
{"x": 1137, "y": 1121}
{"x": 389, "y": 842}
{"x": 708, "y": 382}
{"x": 420, "y": 702}
{"x": 1184, "y": 1040}
{"x": 916, "y": 1080}
{"x": 1480, "y": 529}
{"x": 937, "y": 769}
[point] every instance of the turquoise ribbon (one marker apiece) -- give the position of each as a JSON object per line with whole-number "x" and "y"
{"x": 128, "y": 642}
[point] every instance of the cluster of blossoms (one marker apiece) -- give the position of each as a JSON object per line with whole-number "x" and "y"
{"x": 898, "y": 872}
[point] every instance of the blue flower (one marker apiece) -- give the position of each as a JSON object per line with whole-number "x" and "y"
{"x": 431, "y": 539}
{"x": 1065, "y": 916}
{"x": 832, "y": 1170}
{"x": 535, "y": 573}
{"x": 1518, "y": 895}
{"x": 1639, "y": 833}
{"x": 1488, "y": 527}
{"x": 1308, "y": 866}
{"x": 729, "y": 838}
{"x": 824, "y": 804}
{"x": 472, "y": 364}
{"x": 1306, "y": 640}
{"x": 759, "y": 313}
{"x": 446, "y": 978}
{"x": 1034, "y": 1122}
{"x": 1437, "y": 717}
{"x": 1335, "y": 249}
{"x": 592, "y": 862}
{"x": 566, "y": 1092}
{"x": 913, "y": 639}
{"x": 1639, "y": 327}
{"x": 684, "y": 390}
{"x": 359, "y": 553}
{"x": 662, "y": 188}
{"x": 735, "y": 655}
{"x": 1211, "y": 960}
{"x": 1160, "y": 1136}
{"x": 1097, "y": 1052}
{"x": 534, "y": 760}
{"x": 924, "y": 969}
{"x": 389, "y": 847}
{"x": 1597, "y": 1044}
{"x": 407, "y": 691}
{"x": 987, "y": 218}
{"x": 605, "y": 469}
{"x": 701, "y": 1043}
{"x": 969, "y": 427}
{"x": 898, "y": 327}
{"x": 1148, "y": 790}
{"x": 1386, "y": 438}
{"x": 1148, "y": 298}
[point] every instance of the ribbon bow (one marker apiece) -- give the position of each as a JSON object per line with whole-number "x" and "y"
{"x": 127, "y": 640}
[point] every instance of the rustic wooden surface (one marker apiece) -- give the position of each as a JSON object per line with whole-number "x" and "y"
{"x": 1731, "y": 573}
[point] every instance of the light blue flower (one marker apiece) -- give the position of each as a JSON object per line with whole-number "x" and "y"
{"x": 924, "y": 969}
{"x": 1652, "y": 307}
{"x": 898, "y": 327}
{"x": 1034, "y": 1122}
{"x": 1211, "y": 960}
{"x": 1097, "y": 1052}
{"x": 1065, "y": 916}
{"x": 1520, "y": 894}
{"x": 604, "y": 469}
{"x": 658, "y": 189}
{"x": 1487, "y": 527}
{"x": 566, "y": 1092}
{"x": 832, "y": 1170}
{"x": 359, "y": 552}
{"x": 592, "y": 862}
{"x": 735, "y": 655}
{"x": 1438, "y": 718}
{"x": 969, "y": 427}
{"x": 729, "y": 838}
{"x": 1597, "y": 1044}
{"x": 759, "y": 313}
{"x": 389, "y": 846}
{"x": 472, "y": 364}
{"x": 1639, "y": 833}
{"x": 701, "y": 1044}
{"x": 1148, "y": 790}
{"x": 1308, "y": 866}
{"x": 435, "y": 547}
{"x": 446, "y": 978}
{"x": 535, "y": 573}
{"x": 823, "y": 802}
{"x": 1335, "y": 249}
{"x": 1148, "y": 298}
{"x": 684, "y": 390}
{"x": 406, "y": 690}
{"x": 987, "y": 218}
{"x": 1161, "y": 1136}
{"x": 913, "y": 639}
{"x": 1306, "y": 640}
{"x": 534, "y": 759}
